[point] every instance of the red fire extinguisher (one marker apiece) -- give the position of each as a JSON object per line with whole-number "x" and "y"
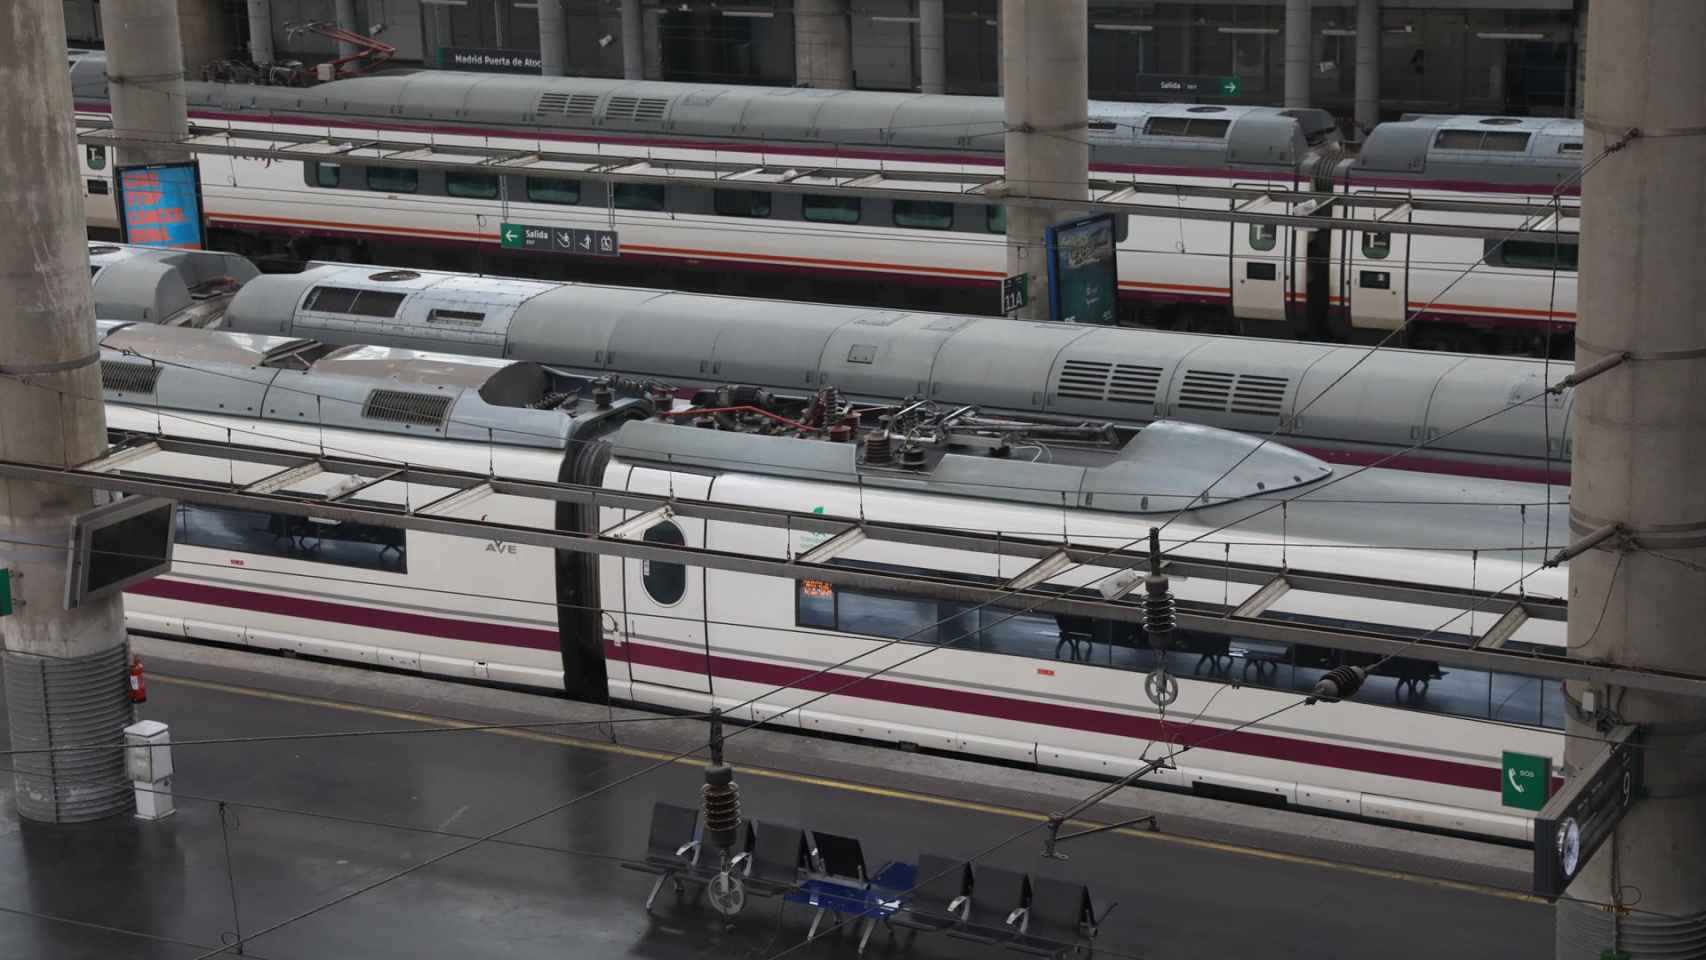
{"x": 138, "y": 686}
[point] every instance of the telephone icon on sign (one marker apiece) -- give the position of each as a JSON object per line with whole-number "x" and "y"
{"x": 1514, "y": 784}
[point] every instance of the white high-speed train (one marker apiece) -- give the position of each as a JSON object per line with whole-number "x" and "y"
{"x": 1411, "y": 746}
{"x": 1382, "y": 403}
{"x": 1312, "y": 284}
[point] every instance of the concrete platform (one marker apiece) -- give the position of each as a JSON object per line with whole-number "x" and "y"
{"x": 309, "y": 821}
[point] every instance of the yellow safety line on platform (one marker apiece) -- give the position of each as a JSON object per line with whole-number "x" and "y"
{"x": 851, "y": 787}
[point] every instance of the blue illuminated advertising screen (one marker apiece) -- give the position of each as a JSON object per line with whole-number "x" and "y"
{"x": 159, "y": 205}
{"x": 1083, "y": 276}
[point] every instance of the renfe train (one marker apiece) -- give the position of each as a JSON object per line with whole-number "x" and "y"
{"x": 1412, "y": 746}
{"x": 1389, "y": 402}
{"x": 1321, "y": 284}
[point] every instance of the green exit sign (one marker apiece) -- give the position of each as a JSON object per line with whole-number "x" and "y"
{"x": 1525, "y": 780}
{"x": 5, "y": 592}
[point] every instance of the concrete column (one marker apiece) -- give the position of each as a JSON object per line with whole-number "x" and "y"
{"x": 145, "y": 74}
{"x": 260, "y": 31}
{"x": 1297, "y": 53}
{"x": 202, "y": 31}
{"x": 346, "y": 18}
{"x": 553, "y": 38}
{"x": 1640, "y": 447}
{"x": 932, "y": 62}
{"x": 1368, "y": 65}
{"x": 65, "y": 669}
{"x": 633, "y": 41}
{"x": 1046, "y": 69}
{"x": 823, "y": 45}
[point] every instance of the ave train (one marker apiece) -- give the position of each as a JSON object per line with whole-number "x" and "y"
{"x": 1320, "y": 284}
{"x": 1413, "y": 746}
{"x": 1389, "y": 400}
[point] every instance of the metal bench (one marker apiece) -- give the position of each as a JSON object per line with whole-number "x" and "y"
{"x": 1061, "y": 919}
{"x": 672, "y": 848}
{"x": 995, "y": 913}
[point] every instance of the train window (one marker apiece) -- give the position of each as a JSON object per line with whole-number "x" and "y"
{"x": 1122, "y": 227}
{"x": 466, "y": 318}
{"x": 471, "y": 186}
{"x": 1263, "y": 236}
{"x": 665, "y": 582}
{"x": 995, "y": 218}
{"x": 1533, "y": 255}
{"x": 741, "y": 203}
{"x": 547, "y": 190}
{"x": 393, "y": 179}
{"x": 1503, "y": 141}
{"x": 345, "y": 543}
{"x": 361, "y": 303}
{"x": 816, "y": 605}
{"x": 327, "y": 174}
{"x": 1377, "y": 246}
{"x": 1570, "y": 148}
{"x": 924, "y": 214}
{"x": 1186, "y": 127}
{"x": 638, "y": 196}
{"x": 822, "y": 209}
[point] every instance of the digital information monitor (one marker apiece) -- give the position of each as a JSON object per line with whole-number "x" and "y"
{"x": 1083, "y": 273}
{"x": 159, "y": 205}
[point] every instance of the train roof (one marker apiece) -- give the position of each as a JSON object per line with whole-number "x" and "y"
{"x": 383, "y": 389}
{"x": 162, "y": 285}
{"x": 1179, "y": 134}
{"x": 1491, "y": 148}
{"x": 1163, "y": 468}
{"x": 1395, "y": 398}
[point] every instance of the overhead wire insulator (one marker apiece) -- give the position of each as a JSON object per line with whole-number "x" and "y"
{"x": 720, "y": 796}
{"x": 1339, "y": 683}
{"x": 1159, "y": 620}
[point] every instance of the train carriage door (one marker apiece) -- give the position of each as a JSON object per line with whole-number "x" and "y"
{"x": 1378, "y": 274}
{"x": 1261, "y": 274}
{"x": 664, "y": 616}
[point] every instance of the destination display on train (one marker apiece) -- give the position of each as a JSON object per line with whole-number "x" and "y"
{"x": 159, "y": 205}
{"x": 1083, "y": 274}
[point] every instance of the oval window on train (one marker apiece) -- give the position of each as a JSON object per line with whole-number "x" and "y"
{"x": 1376, "y": 246}
{"x": 1263, "y": 236}
{"x": 665, "y": 582}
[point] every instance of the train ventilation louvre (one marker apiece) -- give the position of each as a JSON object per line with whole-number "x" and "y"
{"x": 1098, "y": 380}
{"x": 406, "y": 407}
{"x": 566, "y": 104}
{"x": 644, "y": 109}
{"x": 121, "y": 377}
{"x": 1258, "y": 395}
{"x": 1218, "y": 392}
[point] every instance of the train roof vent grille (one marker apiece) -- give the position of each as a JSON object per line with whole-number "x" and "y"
{"x": 120, "y": 376}
{"x": 566, "y": 104}
{"x": 644, "y": 109}
{"x": 1133, "y": 383}
{"x": 1084, "y": 380}
{"x": 1205, "y": 390}
{"x": 407, "y": 407}
{"x": 1259, "y": 395}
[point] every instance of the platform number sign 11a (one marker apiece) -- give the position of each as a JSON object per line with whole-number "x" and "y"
{"x": 1015, "y": 292}
{"x": 1525, "y": 781}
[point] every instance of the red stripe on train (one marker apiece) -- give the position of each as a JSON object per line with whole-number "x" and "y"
{"x": 1338, "y": 756}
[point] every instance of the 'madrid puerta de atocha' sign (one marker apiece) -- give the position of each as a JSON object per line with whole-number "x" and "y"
{"x": 487, "y": 60}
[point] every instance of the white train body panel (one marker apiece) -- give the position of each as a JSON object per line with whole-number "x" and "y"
{"x": 475, "y": 609}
